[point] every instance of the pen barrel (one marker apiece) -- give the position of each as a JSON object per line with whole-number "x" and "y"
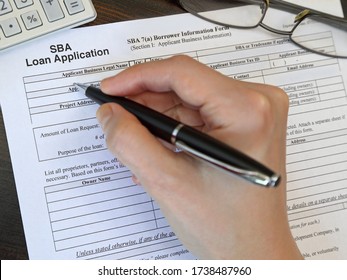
{"x": 157, "y": 123}
{"x": 191, "y": 140}
{"x": 220, "y": 151}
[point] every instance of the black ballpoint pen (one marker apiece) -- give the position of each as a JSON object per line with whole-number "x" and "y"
{"x": 191, "y": 140}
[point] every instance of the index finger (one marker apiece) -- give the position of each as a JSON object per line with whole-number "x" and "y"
{"x": 181, "y": 74}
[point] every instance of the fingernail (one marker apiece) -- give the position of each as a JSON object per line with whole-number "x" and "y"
{"x": 135, "y": 180}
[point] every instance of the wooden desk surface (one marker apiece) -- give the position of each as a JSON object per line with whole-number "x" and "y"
{"x": 12, "y": 241}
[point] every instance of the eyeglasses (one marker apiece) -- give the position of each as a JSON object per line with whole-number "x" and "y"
{"x": 311, "y": 30}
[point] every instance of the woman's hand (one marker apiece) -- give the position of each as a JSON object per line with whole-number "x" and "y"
{"x": 215, "y": 214}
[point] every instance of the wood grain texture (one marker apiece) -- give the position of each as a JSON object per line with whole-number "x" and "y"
{"x": 12, "y": 241}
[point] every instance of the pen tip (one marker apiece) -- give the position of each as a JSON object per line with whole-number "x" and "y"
{"x": 82, "y": 86}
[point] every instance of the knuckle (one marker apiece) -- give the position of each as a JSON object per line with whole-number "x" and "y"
{"x": 181, "y": 59}
{"x": 280, "y": 98}
{"x": 261, "y": 106}
{"x": 264, "y": 113}
{"x": 269, "y": 107}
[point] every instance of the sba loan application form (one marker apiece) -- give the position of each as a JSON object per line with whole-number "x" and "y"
{"x": 78, "y": 201}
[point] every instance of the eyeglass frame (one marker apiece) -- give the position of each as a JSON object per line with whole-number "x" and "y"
{"x": 301, "y": 14}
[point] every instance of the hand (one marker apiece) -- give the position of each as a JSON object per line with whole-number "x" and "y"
{"x": 216, "y": 215}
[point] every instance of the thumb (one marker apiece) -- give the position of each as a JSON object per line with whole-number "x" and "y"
{"x": 135, "y": 146}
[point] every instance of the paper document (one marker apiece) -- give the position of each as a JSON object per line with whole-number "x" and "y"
{"x": 79, "y": 202}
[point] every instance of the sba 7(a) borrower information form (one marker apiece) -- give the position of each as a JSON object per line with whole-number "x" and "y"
{"x": 79, "y": 202}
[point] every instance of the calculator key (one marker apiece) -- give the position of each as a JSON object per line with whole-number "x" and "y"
{"x": 52, "y": 10}
{"x": 74, "y": 6}
{"x": 23, "y": 20}
{"x": 31, "y": 20}
{"x": 10, "y": 27}
{"x": 5, "y": 7}
{"x": 20, "y": 4}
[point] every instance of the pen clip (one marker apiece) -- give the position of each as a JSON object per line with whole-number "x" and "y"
{"x": 252, "y": 176}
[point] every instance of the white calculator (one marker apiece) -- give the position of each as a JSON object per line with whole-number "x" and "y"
{"x": 23, "y": 20}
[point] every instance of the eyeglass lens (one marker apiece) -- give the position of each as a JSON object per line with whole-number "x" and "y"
{"x": 315, "y": 33}
{"x": 323, "y": 36}
{"x": 235, "y": 13}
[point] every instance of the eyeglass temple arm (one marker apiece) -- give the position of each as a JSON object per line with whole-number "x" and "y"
{"x": 296, "y": 9}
